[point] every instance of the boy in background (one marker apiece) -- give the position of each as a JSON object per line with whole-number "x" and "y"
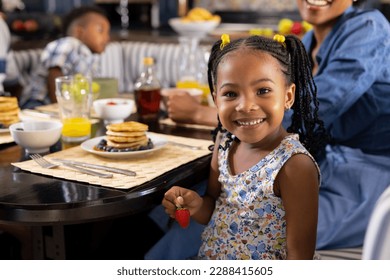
{"x": 87, "y": 33}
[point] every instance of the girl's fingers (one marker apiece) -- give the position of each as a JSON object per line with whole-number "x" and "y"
{"x": 180, "y": 201}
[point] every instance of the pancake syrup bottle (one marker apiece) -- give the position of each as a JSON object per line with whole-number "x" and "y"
{"x": 147, "y": 92}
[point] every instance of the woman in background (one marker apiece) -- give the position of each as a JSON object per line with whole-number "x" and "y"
{"x": 350, "y": 55}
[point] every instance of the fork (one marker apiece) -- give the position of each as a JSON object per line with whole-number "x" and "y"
{"x": 47, "y": 164}
{"x": 43, "y": 162}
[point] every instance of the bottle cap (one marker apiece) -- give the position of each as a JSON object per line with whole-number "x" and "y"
{"x": 148, "y": 60}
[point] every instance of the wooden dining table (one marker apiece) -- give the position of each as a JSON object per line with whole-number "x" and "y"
{"x": 46, "y": 205}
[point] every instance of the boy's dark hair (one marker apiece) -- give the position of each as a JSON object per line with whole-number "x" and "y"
{"x": 78, "y": 13}
{"x": 296, "y": 67}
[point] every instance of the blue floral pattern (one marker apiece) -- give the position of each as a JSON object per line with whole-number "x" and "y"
{"x": 249, "y": 219}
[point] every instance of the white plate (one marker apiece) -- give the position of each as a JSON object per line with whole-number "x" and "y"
{"x": 4, "y": 130}
{"x": 89, "y": 145}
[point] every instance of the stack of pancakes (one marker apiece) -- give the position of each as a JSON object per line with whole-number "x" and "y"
{"x": 127, "y": 135}
{"x": 9, "y": 111}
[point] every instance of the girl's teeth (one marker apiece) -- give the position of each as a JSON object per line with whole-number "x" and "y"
{"x": 250, "y": 123}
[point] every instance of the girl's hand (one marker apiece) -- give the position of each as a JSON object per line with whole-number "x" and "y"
{"x": 181, "y": 197}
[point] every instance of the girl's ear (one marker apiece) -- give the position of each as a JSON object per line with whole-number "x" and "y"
{"x": 289, "y": 97}
{"x": 214, "y": 94}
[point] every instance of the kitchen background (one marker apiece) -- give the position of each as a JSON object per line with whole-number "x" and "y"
{"x": 44, "y": 16}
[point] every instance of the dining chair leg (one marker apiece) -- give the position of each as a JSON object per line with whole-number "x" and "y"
{"x": 49, "y": 242}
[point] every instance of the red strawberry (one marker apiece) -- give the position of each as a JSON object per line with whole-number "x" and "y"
{"x": 182, "y": 216}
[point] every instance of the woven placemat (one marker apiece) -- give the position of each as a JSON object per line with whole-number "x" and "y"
{"x": 147, "y": 167}
{"x": 170, "y": 122}
{"x": 5, "y": 138}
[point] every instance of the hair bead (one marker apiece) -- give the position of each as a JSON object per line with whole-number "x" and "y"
{"x": 225, "y": 38}
{"x": 280, "y": 39}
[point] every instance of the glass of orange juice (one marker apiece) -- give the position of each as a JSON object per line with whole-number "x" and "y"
{"x": 74, "y": 97}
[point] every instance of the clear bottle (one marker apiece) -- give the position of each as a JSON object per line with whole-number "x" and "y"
{"x": 147, "y": 92}
{"x": 192, "y": 66}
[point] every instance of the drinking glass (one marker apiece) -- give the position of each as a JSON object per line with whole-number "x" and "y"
{"x": 74, "y": 97}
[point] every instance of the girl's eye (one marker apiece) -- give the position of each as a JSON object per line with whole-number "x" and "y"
{"x": 262, "y": 91}
{"x": 230, "y": 94}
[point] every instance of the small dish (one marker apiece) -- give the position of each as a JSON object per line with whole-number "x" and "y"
{"x": 36, "y": 136}
{"x": 89, "y": 145}
{"x": 193, "y": 28}
{"x": 113, "y": 110}
{"x": 4, "y": 130}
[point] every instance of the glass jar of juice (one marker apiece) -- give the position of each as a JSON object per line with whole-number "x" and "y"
{"x": 74, "y": 97}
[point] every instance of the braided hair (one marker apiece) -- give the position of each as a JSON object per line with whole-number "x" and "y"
{"x": 296, "y": 67}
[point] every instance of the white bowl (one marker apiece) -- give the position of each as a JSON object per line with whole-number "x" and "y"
{"x": 193, "y": 28}
{"x": 113, "y": 110}
{"x": 195, "y": 92}
{"x": 36, "y": 136}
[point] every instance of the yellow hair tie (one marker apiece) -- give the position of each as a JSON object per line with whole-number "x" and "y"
{"x": 225, "y": 40}
{"x": 280, "y": 39}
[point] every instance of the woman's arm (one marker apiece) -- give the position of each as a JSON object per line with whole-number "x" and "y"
{"x": 186, "y": 109}
{"x": 352, "y": 60}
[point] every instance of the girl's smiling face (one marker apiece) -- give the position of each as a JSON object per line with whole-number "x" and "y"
{"x": 252, "y": 95}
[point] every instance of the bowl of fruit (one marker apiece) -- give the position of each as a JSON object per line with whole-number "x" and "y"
{"x": 113, "y": 110}
{"x": 198, "y": 22}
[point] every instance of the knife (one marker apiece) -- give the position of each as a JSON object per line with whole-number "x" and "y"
{"x": 87, "y": 171}
{"x": 97, "y": 166}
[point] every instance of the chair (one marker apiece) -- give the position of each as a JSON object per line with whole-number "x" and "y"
{"x": 377, "y": 239}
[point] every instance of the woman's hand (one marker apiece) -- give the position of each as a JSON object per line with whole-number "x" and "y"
{"x": 182, "y": 108}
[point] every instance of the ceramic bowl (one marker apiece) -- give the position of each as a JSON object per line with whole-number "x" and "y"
{"x": 36, "y": 136}
{"x": 113, "y": 110}
{"x": 194, "y": 28}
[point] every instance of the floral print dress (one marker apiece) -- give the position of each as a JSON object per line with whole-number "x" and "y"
{"x": 249, "y": 219}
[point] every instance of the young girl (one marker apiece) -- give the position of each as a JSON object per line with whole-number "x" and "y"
{"x": 262, "y": 196}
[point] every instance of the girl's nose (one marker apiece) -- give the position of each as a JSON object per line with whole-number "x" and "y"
{"x": 247, "y": 105}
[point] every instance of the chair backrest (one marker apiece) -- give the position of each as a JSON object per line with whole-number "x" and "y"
{"x": 377, "y": 239}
